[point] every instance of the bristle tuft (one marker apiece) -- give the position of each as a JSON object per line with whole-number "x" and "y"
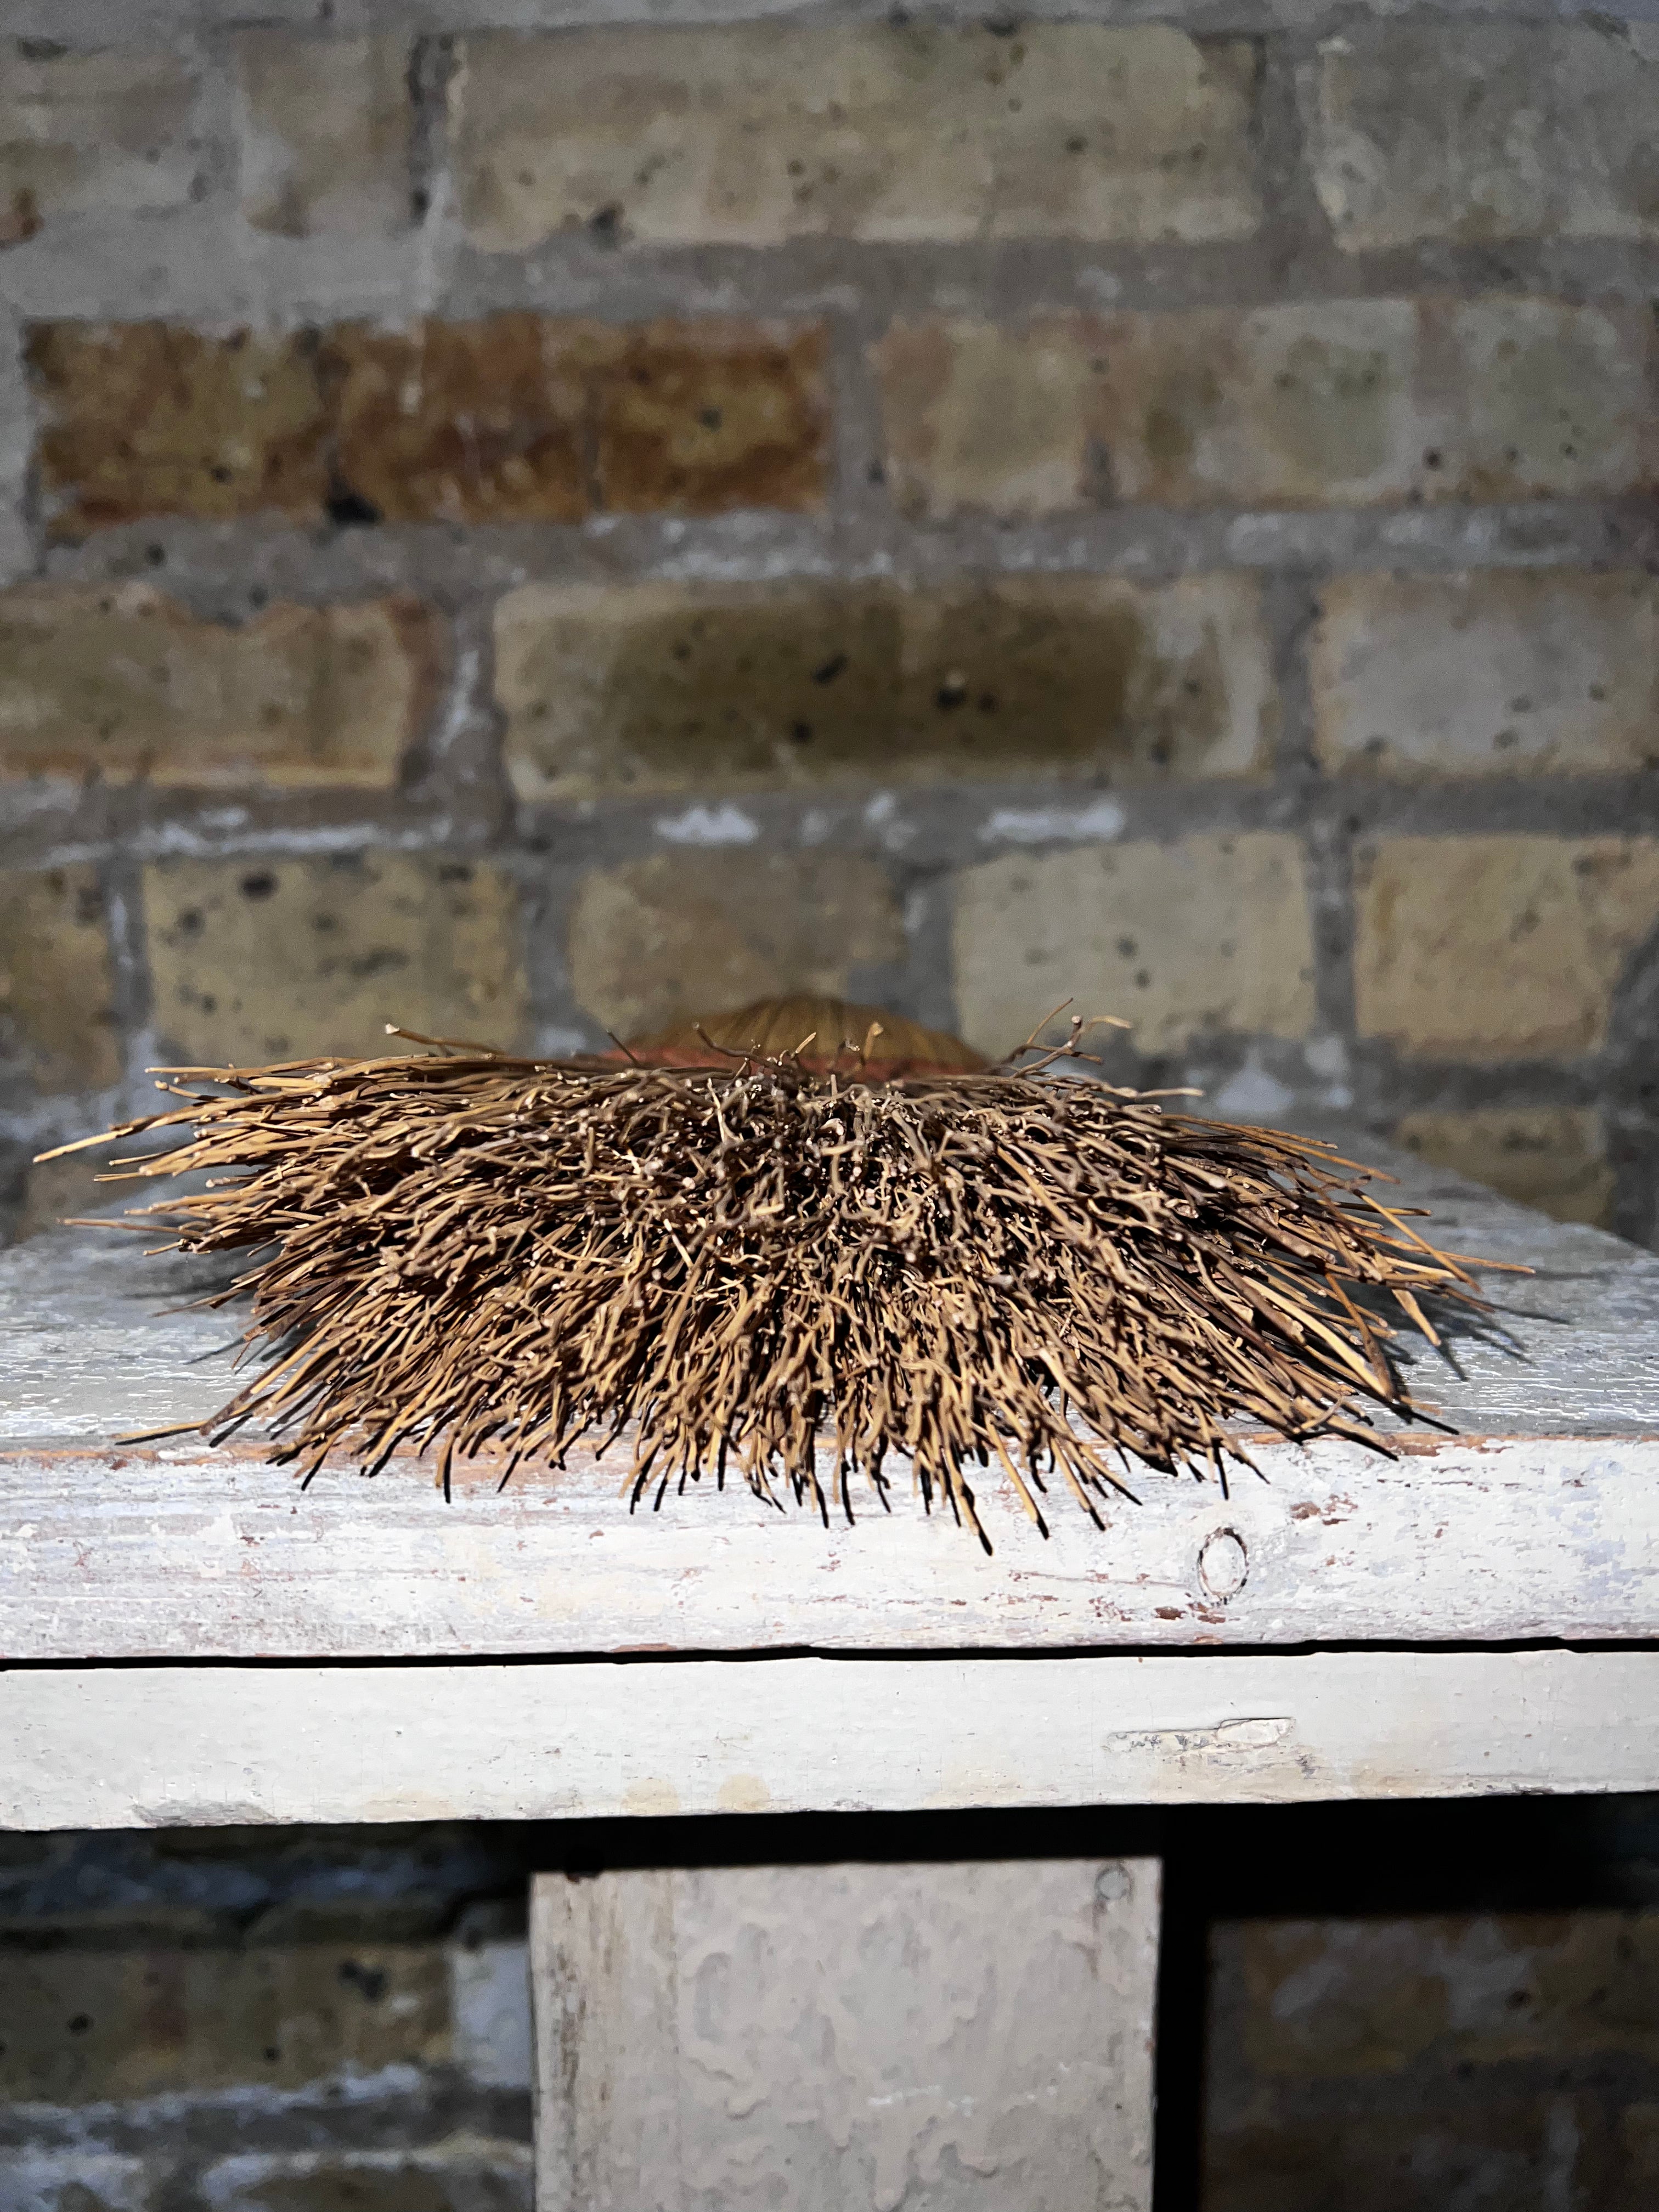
{"x": 758, "y": 1270}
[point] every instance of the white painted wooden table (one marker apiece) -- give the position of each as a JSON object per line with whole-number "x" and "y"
{"x": 186, "y": 1637}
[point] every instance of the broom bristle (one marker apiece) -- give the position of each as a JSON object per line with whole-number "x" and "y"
{"x": 823, "y": 1035}
{"x": 744, "y": 1264}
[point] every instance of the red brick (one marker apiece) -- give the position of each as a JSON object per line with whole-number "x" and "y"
{"x": 517, "y": 418}
{"x": 148, "y": 418}
{"x": 467, "y": 421}
{"x": 700, "y": 417}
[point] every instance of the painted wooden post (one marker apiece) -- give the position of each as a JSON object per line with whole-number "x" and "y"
{"x": 969, "y": 2037}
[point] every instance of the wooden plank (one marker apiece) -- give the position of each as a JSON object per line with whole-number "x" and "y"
{"x": 183, "y": 1557}
{"x": 969, "y": 2037}
{"x": 1539, "y": 1519}
{"x": 145, "y": 1747}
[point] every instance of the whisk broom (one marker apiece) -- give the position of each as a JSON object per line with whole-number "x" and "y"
{"x": 791, "y": 1245}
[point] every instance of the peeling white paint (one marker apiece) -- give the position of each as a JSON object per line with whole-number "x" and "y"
{"x": 138, "y": 1747}
{"x": 882, "y": 815}
{"x": 1044, "y": 825}
{"x": 708, "y": 826}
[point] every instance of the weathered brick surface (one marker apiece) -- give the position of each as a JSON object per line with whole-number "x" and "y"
{"x": 519, "y": 418}
{"x": 119, "y": 680}
{"x": 979, "y": 416}
{"x": 86, "y": 2027}
{"x": 1405, "y": 2064}
{"x": 685, "y": 933}
{"x": 324, "y": 127}
{"x": 1486, "y": 131}
{"x": 1494, "y": 948}
{"x": 700, "y": 417}
{"x": 657, "y": 687}
{"x": 1339, "y": 403}
{"x": 469, "y": 421}
{"x": 57, "y": 1020}
{"x": 98, "y": 134}
{"x": 751, "y": 134}
{"x": 1487, "y": 674}
{"x": 1207, "y": 936}
{"x": 264, "y": 2020}
{"x": 466, "y": 2175}
{"x": 1503, "y": 2155}
{"x": 281, "y": 959}
{"x": 1553, "y": 1158}
{"x": 150, "y": 418}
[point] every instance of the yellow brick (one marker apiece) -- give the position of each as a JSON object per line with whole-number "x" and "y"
{"x": 1553, "y": 1157}
{"x": 121, "y": 682}
{"x": 1477, "y": 132}
{"x": 660, "y": 688}
{"x": 1555, "y": 670}
{"x": 1333, "y": 1997}
{"x": 695, "y": 934}
{"x": 259, "y": 960}
{"x": 1209, "y": 935}
{"x": 1331, "y": 403}
{"x": 1551, "y": 398}
{"x": 1497, "y": 948}
{"x": 98, "y": 134}
{"x": 85, "y": 2026}
{"x": 981, "y": 416}
{"x": 751, "y": 134}
{"x": 325, "y": 130}
{"x": 56, "y": 1014}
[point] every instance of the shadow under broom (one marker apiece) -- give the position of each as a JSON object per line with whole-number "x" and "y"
{"x": 785, "y": 1244}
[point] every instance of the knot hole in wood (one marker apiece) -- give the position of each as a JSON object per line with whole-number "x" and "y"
{"x": 1223, "y": 1565}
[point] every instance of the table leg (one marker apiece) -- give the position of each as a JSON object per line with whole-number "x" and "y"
{"x": 965, "y": 2037}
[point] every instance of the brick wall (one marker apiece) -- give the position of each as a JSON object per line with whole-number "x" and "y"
{"x": 303, "y": 2021}
{"x": 1496, "y": 2063}
{"x": 521, "y": 523}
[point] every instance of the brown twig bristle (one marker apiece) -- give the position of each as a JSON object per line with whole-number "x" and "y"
{"x": 788, "y": 1277}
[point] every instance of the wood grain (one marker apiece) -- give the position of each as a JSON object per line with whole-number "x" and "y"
{"x": 226, "y": 1558}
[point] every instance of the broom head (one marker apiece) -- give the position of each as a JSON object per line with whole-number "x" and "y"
{"x": 797, "y": 1244}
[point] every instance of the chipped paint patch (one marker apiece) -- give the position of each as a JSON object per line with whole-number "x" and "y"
{"x": 1046, "y": 825}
